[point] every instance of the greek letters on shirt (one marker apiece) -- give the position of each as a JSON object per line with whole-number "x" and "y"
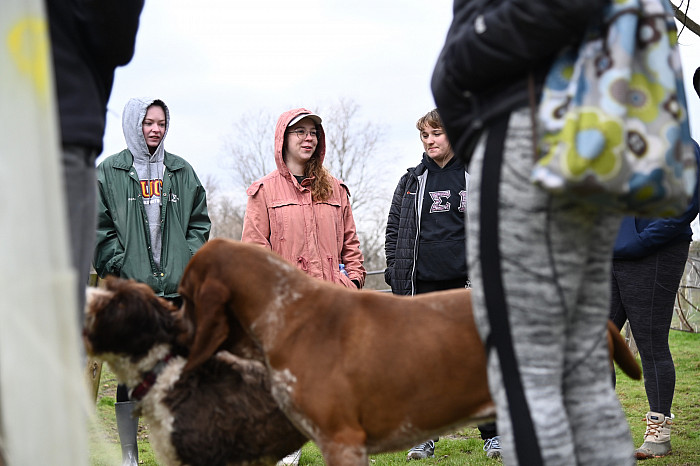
{"x": 439, "y": 196}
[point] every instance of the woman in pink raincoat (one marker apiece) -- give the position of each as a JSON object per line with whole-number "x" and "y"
{"x": 300, "y": 210}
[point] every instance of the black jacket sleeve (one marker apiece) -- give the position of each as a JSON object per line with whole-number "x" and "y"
{"x": 89, "y": 39}
{"x": 110, "y": 28}
{"x": 491, "y": 48}
{"x": 502, "y": 39}
{"x": 392, "y": 228}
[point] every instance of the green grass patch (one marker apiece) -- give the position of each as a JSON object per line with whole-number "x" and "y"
{"x": 685, "y": 438}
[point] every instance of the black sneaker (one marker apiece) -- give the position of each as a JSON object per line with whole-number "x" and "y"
{"x": 422, "y": 451}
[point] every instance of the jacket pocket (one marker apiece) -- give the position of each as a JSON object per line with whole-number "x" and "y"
{"x": 336, "y": 275}
{"x": 282, "y": 215}
{"x": 330, "y": 213}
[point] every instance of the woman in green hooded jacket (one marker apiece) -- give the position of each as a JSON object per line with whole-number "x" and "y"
{"x": 152, "y": 209}
{"x": 152, "y": 217}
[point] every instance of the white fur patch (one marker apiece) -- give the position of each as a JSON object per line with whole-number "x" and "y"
{"x": 128, "y": 372}
{"x": 154, "y": 411}
{"x": 158, "y": 414}
{"x": 282, "y": 387}
{"x": 94, "y": 295}
{"x": 273, "y": 318}
{"x": 344, "y": 454}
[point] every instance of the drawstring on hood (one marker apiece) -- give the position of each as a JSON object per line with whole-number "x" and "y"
{"x": 150, "y": 168}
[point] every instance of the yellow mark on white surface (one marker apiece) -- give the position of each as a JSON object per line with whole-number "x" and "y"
{"x": 28, "y": 46}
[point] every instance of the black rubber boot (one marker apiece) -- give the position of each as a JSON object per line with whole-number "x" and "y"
{"x": 127, "y": 426}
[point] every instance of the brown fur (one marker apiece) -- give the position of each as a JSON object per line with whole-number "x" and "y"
{"x": 222, "y": 411}
{"x": 357, "y": 371}
{"x": 621, "y": 354}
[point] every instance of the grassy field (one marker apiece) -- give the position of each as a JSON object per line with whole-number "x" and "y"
{"x": 464, "y": 447}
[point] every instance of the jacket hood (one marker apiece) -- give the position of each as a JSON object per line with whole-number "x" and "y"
{"x": 280, "y": 129}
{"x": 454, "y": 164}
{"x": 132, "y": 119}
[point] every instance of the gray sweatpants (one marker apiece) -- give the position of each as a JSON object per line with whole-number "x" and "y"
{"x": 554, "y": 259}
{"x": 80, "y": 185}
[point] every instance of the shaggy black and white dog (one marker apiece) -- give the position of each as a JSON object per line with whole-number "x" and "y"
{"x": 221, "y": 413}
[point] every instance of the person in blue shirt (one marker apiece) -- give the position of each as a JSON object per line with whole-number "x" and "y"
{"x": 648, "y": 263}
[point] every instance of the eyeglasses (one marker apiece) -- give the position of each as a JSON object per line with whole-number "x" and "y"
{"x": 302, "y": 133}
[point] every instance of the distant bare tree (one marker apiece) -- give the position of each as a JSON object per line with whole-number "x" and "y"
{"x": 250, "y": 148}
{"x": 351, "y": 146}
{"x": 226, "y": 216}
{"x": 226, "y": 219}
{"x": 371, "y": 233}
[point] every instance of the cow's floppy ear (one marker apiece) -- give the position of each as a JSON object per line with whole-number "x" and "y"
{"x": 211, "y": 329}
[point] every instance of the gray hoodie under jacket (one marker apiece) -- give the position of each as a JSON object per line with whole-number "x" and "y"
{"x": 148, "y": 167}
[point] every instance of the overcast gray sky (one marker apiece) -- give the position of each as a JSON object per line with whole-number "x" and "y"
{"x": 214, "y": 61}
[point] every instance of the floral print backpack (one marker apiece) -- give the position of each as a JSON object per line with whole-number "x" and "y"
{"x": 612, "y": 124}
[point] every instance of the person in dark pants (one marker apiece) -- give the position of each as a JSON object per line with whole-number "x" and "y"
{"x": 89, "y": 40}
{"x": 648, "y": 264}
{"x": 539, "y": 265}
{"x": 425, "y": 236}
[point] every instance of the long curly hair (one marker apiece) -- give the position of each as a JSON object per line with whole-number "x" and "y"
{"x": 321, "y": 187}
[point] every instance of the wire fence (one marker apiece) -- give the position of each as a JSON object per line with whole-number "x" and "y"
{"x": 687, "y": 312}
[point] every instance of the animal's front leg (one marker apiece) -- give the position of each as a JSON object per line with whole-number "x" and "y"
{"x": 345, "y": 449}
{"x": 253, "y": 372}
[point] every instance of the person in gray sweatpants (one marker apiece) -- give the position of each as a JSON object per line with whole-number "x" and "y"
{"x": 554, "y": 261}
{"x": 539, "y": 266}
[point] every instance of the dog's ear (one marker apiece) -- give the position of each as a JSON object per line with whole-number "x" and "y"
{"x": 211, "y": 329}
{"x": 184, "y": 324}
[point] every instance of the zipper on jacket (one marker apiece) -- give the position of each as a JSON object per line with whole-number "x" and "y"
{"x": 418, "y": 205}
{"x": 155, "y": 270}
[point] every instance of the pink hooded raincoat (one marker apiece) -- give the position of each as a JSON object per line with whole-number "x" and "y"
{"x": 315, "y": 236}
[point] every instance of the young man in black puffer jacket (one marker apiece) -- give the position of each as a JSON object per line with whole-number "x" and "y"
{"x": 425, "y": 236}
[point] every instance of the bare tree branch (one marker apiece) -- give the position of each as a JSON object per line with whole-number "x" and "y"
{"x": 351, "y": 146}
{"x": 684, "y": 19}
{"x": 250, "y": 148}
{"x": 226, "y": 217}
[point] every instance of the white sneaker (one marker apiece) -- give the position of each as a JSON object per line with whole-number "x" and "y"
{"x": 492, "y": 447}
{"x": 422, "y": 451}
{"x": 290, "y": 459}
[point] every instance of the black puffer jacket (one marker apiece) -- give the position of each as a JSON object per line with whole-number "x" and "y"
{"x": 88, "y": 41}
{"x": 403, "y": 231}
{"x": 491, "y": 48}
